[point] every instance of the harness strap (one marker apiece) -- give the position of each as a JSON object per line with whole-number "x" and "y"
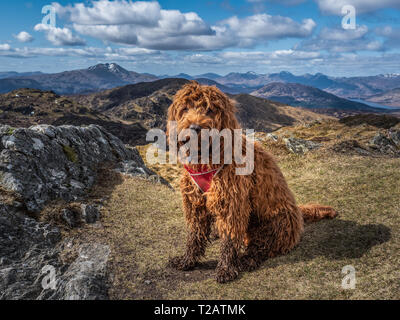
{"x": 203, "y": 179}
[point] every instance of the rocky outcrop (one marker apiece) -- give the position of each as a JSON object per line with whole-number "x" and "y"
{"x": 350, "y": 147}
{"x": 386, "y": 143}
{"x": 300, "y": 146}
{"x": 26, "y": 247}
{"x": 39, "y": 165}
{"x": 85, "y": 278}
{"x": 45, "y": 162}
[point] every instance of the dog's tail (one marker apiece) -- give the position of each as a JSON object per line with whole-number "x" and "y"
{"x": 315, "y": 212}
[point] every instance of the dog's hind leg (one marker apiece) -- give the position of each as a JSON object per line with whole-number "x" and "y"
{"x": 270, "y": 238}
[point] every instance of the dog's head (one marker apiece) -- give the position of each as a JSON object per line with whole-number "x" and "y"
{"x": 200, "y": 107}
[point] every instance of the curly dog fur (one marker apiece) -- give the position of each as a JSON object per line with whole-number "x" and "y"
{"x": 257, "y": 213}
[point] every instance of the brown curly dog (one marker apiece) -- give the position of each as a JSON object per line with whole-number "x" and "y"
{"x": 256, "y": 212}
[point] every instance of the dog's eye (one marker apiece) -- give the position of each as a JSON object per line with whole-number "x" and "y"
{"x": 209, "y": 112}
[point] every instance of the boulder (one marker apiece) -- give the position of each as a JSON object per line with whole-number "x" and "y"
{"x": 395, "y": 136}
{"x": 300, "y": 146}
{"x": 385, "y": 144}
{"x": 85, "y": 278}
{"x": 43, "y": 162}
{"x": 350, "y": 147}
{"x": 90, "y": 213}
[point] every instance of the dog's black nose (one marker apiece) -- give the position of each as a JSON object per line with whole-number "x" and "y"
{"x": 195, "y": 127}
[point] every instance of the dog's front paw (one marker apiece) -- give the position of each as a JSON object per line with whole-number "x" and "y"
{"x": 226, "y": 274}
{"x": 181, "y": 263}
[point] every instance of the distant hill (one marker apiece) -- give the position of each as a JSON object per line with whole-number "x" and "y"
{"x": 345, "y": 87}
{"x": 93, "y": 79}
{"x": 300, "y": 95}
{"x": 148, "y": 103}
{"x": 211, "y": 76}
{"x": 389, "y": 98}
{"x": 13, "y": 74}
{"x": 145, "y": 102}
{"x": 7, "y": 85}
{"x": 265, "y": 115}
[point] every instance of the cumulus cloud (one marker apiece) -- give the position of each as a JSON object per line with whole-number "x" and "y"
{"x": 340, "y": 34}
{"x": 24, "y": 37}
{"x": 264, "y": 26}
{"x": 4, "y": 47}
{"x": 112, "y": 12}
{"x": 108, "y": 53}
{"x": 340, "y": 40}
{"x": 60, "y": 36}
{"x": 285, "y": 2}
{"x": 334, "y": 7}
{"x": 147, "y": 25}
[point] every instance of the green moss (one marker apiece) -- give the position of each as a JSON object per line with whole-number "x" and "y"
{"x": 71, "y": 154}
{"x": 10, "y": 131}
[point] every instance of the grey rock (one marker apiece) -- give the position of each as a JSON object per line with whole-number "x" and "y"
{"x": 86, "y": 277}
{"x": 384, "y": 144}
{"x": 300, "y": 146}
{"x": 26, "y": 246}
{"x": 7, "y": 276}
{"x": 133, "y": 168}
{"x": 90, "y": 213}
{"x": 43, "y": 162}
{"x": 272, "y": 137}
{"x": 70, "y": 218}
{"x": 312, "y": 123}
{"x": 395, "y": 136}
{"x": 350, "y": 147}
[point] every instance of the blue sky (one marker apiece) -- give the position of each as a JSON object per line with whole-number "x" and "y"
{"x": 221, "y": 36}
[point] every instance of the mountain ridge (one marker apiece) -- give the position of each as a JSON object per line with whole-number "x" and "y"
{"x": 111, "y": 75}
{"x": 296, "y": 94}
{"x": 92, "y": 79}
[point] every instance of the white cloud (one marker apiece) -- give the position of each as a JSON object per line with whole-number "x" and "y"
{"x": 340, "y": 40}
{"x": 24, "y": 36}
{"x": 285, "y": 2}
{"x": 112, "y": 12}
{"x": 121, "y": 34}
{"x": 59, "y": 36}
{"x": 264, "y": 26}
{"x": 362, "y": 6}
{"x": 340, "y": 34}
{"x": 87, "y": 52}
{"x": 4, "y": 47}
{"x": 147, "y": 25}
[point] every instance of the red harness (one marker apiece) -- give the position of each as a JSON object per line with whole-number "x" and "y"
{"x": 203, "y": 178}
